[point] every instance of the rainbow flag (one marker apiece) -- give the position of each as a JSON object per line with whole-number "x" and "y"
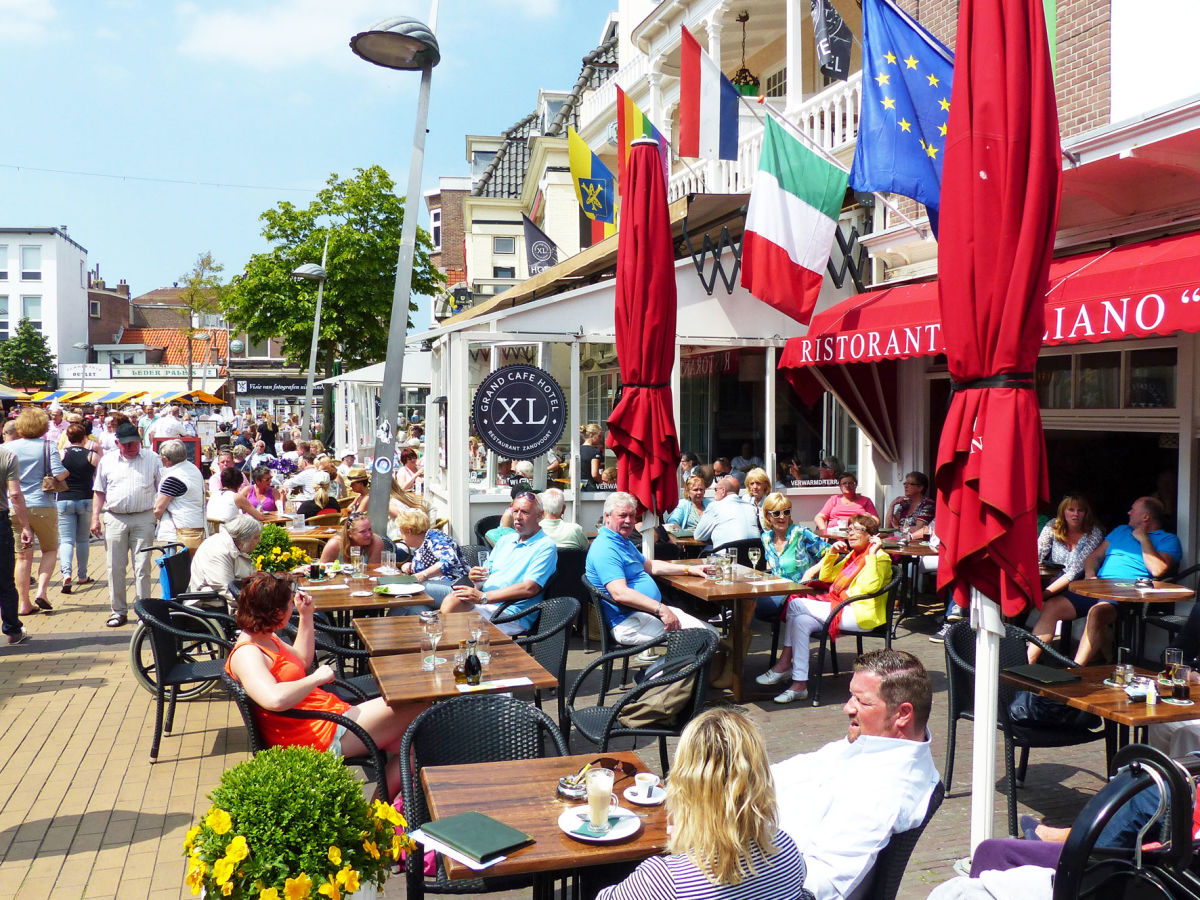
{"x": 595, "y": 187}
{"x": 632, "y": 124}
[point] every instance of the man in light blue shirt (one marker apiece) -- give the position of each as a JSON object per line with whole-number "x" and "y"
{"x": 518, "y": 568}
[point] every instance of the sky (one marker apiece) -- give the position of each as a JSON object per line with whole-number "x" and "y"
{"x": 158, "y": 130}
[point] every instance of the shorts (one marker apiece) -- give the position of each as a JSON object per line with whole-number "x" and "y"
{"x": 44, "y": 521}
{"x": 1082, "y": 605}
{"x": 335, "y": 746}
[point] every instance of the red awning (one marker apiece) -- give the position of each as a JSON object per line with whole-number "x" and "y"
{"x": 1133, "y": 291}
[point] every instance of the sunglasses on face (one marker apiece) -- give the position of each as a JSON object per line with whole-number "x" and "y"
{"x": 856, "y": 529}
{"x": 780, "y": 514}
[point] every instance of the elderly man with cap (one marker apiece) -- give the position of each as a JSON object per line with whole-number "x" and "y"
{"x": 123, "y": 513}
{"x": 348, "y": 461}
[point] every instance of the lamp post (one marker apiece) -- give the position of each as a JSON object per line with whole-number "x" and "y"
{"x": 399, "y": 43}
{"x": 312, "y": 272}
{"x": 206, "y": 336}
{"x": 85, "y": 347}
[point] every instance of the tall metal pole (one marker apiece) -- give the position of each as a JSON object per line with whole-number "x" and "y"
{"x": 306, "y": 420}
{"x": 393, "y": 366}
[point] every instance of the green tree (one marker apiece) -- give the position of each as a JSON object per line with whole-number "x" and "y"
{"x": 25, "y": 358}
{"x": 200, "y": 294}
{"x": 362, "y": 216}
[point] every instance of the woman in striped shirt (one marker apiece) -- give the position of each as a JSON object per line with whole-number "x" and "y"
{"x": 725, "y": 842}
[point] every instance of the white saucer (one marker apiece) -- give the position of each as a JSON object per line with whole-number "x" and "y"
{"x": 628, "y": 824}
{"x": 399, "y": 590}
{"x": 657, "y": 796}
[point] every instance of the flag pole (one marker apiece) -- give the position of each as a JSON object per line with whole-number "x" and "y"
{"x": 923, "y": 230}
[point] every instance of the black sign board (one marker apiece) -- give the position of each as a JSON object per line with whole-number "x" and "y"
{"x": 520, "y": 411}
{"x": 272, "y": 386}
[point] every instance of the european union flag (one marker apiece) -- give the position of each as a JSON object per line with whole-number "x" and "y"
{"x": 905, "y": 108}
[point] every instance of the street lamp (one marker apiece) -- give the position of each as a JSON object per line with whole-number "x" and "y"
{"x": 204, "y": 336}
{"x": 312, "y": 272}
{"x": 85, "y": 347}
{"x": 399, "y": 43}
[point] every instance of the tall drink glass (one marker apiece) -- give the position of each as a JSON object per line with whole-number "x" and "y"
{"x": 599, "y": 794}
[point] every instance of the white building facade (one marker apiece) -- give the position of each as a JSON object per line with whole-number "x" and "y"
{"x": 43, "y": 277}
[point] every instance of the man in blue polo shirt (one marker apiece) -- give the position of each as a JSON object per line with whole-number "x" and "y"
{"x": 632, "y": 603}
{"x": 518, "y": 568}
{"x": 1141, "y": 549}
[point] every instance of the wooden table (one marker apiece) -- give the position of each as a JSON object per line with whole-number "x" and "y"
{"x": 1120, "y": 714}
{"x": 1130, "y": 601}
{"x": 332, "y": 596}
{"x": 383, "y": 637}
{"x": 908, "y": 556}
{"x": 742, "y": 596}
{"x": 526, "y": 799}
{"x": 401, "y": 679}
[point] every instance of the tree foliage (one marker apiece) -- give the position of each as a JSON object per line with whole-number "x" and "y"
{"x": 362, "y": 216}
{"x": 200, "y": 293}
{"x": 25, "y": 358}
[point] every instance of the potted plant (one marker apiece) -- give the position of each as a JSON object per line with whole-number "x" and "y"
{"x": 275, "y": 552}
{"x": 291, "y": 824}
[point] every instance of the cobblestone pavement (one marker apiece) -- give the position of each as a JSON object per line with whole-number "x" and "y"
{"x": 84, "y": 814}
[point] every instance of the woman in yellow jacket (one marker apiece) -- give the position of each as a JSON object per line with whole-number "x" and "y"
{"x": 854, "y": 567}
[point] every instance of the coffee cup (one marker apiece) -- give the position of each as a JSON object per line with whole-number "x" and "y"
{"x": 645, "y": 784}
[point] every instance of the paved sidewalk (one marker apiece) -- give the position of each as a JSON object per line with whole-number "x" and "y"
{"x": 84, "y": 814}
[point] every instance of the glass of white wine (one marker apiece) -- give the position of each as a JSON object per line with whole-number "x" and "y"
{"x": 434, "y": 628}
{"x": 754, "y": 554}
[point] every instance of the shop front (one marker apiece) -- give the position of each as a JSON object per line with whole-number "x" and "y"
{"x": 274, "y": 393}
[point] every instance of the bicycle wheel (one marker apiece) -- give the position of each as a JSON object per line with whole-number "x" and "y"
{"x": 198, "y": 649}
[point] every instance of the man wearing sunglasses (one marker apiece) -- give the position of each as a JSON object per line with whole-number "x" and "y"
{"x": 843, "y": 803}
{"x": 624, "y": 579}
{"x": 518, "y": 568}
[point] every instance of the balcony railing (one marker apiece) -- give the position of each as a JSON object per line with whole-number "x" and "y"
{"x": 601, "y": 102}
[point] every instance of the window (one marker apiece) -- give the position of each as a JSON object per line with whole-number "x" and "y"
{"x": 504, "y": 271}
{"x": 775, "y": 84}
{"x": 31, "y": 263}
{"x": 31, "y": 309}
{"x": 435, "y": 225}
{"x": 3, "y": 262}
{"x": 82, "y": 275}
{"x": 504, "y": 245}
{"x": 3, "y": 317}
{"x": 1110, "y": 379}
{"x": 94, "y": 309}
{"x": 129, "y": 358}
{"x": 480, "y": 160}
{"x": 258, "y": 349}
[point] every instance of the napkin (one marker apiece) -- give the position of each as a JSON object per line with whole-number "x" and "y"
{"x": 493, "y": 685}
{"x": 582, "y": 829}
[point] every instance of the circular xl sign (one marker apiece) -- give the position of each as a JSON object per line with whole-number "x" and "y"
{"x": 520, "y": 411}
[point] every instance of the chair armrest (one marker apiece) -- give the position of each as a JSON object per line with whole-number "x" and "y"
{"x": 161, "y": 548}
{"x": 623, "y": 652}
{"x": 1030, "y": 638}
{"x": 189, "y": 635}
{"x": 837, "y": 609}
{"x": 351, "y": 688}
{"x": 379, "y": 760}
{"x": 503, "y": 614}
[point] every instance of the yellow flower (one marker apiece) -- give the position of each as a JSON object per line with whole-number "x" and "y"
{"x": 330, "y": 890}
{"x": 388, "y": 813}
{"x": 348, "y": 878}
{"x": 195, "y": 874}
{"x": 237, "y": 849}
{"x": 298, "y": 888}
{"x": 190, "y": 840}
{"x": 268, "y": 894}
{"x": 223, "y": 869}
{"x": 227, "y": 888}
{"x": 335, "y": 856}
{"x": 372, "y": 849}
{"x": 218, "y": 820}
{"x": 397, "y": 847}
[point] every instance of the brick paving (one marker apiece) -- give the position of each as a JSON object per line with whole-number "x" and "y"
{"x": 83, "y": 814}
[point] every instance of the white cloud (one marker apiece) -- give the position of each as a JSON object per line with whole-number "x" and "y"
{"x": 26, "y": 21}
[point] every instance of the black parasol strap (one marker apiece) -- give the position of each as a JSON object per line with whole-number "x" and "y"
{"x": 1019, "y": 380}
{"x": 621, "y": 390}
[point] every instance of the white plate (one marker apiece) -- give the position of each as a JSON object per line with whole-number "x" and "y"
{"x": 657, "y": 796}
{"x": 627, "y": 825}
{"x": 399, "y": 590}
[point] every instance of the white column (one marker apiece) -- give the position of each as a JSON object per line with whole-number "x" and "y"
{"x": 655, "y": 77}
{"x": 716, "y": 25}
{"x": 573, "y": 424}
{"x": 458, "y": 473}
{"x": 769, "y": 418}
{"x": 797, "y": 15}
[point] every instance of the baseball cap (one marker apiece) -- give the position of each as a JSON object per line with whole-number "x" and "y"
{"x": 127, "y": 433}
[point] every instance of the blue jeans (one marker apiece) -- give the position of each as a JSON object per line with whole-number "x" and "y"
{"x": 74, "y": 519}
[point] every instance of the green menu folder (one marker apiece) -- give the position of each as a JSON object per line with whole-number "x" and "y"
{"x": 476, "y": 835}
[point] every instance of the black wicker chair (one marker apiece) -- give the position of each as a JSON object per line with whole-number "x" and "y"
{"x": 610, "y": 650}
{"x": 960, "y": 671}
{"x": 173, "y": 668}
{"x": 883, "y": 632}
{"x": 892, "y": 860}
{"x": 373, "y": 762}
{"x": 341, "y": 648}
{"x": 741, "y": 548}
{"x": 565, "y": 582}
{"x": 548, "y": 644}
{"x": 482, "y": 527}
{"x": 470, "y": 729}
{"x": 1163, "y": 615}
{"x": 471, "y": 553}
{"x": 689, "y": 651}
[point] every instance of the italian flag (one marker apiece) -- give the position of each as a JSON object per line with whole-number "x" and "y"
{"x": 793, "y": 212}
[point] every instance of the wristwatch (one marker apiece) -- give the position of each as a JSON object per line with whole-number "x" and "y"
{"x": 483, "y": 597}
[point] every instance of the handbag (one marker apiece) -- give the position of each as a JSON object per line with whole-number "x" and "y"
{"x": 50, "y": 484}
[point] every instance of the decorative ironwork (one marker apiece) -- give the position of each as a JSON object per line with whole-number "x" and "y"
{"x": 854, "y": 259}
{"x": 742, "y": 79}
{"x": 716, "y": 249}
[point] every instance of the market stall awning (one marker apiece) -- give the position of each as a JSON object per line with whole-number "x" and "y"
{"x": 1137, "y": 290}
{"x": 7, "y": 393}
{"x": 205, "y": 397}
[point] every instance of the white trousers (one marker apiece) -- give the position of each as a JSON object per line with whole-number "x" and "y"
{"x": 639, "y": 627}
{"x": 804, "y": 616}
{"x": 124, "y": 536}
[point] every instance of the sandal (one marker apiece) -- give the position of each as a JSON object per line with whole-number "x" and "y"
{"x": 66, "y": 585}
{"x": 43, "y": 603}
{"x": 116, "y": 620}
{"x": 29, "y": 612}
{"x": 85, "y": 580}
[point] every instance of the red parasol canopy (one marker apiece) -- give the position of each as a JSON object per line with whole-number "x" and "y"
{"x": 641, "y": 429}
{"x": 1000, "y": 195}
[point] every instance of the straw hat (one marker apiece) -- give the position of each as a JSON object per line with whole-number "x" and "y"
{"x": 358, "y": 473}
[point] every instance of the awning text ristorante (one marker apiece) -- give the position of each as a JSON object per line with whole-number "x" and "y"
{"x": 1134, "y": 291}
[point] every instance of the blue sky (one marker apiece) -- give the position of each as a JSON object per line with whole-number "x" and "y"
{"x": 264, "y": 93}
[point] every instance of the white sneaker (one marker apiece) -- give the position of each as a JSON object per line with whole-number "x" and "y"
{"x": 789, "y": 695}
{"x": 770, "y": 677}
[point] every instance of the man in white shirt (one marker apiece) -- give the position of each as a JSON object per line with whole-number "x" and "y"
{"x": 58, "y": 424}
{"x": 302, "y": 486}
{"x": 258, "y": 456}
{"x": 842, "y": 804}
{"x": 348, "y": 458}
{"x": 728, "y": 518}
{"x": 167, "y": 425}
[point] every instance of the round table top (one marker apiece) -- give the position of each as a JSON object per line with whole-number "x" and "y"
{"x": 1125, "y": 591}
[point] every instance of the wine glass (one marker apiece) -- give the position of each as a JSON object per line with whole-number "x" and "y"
{"x": 483, "y": 560}
{"x": 475, "y": 626}
{"x": 355, "y": 557}
{"x": 434, "y": 629}
{"x": 754, "y": 554}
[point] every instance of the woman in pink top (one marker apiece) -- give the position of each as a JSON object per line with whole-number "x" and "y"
{"x": 839, "y": 508}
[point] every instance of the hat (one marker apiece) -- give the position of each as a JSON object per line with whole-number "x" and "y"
{"x": 414, "y": 443}
{"x": 347, "y": 452}
{"x": 127, "y": 433}
{"x": 358, "y": 473}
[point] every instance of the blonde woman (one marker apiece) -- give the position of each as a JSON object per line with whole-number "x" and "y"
{"x": 398, "y": 501}
{"x": 758, "y": 485}
{"x": 356, "y": 532}
{"x": 725, "y": 840}
{"x": 36, "y": 459}
{"x": 591, "y": 455}
{"x": 691, "y": 506}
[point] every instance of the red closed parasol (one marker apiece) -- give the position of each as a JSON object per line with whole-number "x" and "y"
{"x": 641, "y": 429}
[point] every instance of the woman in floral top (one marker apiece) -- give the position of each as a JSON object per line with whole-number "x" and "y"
{"x": 914, "y": 511}
{"x": 1068, "y": 539}
{"x": 437, "y": 560}
{"x": 790, "y": 550}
